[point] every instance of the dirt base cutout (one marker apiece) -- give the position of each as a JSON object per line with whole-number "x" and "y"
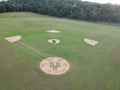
{"x": 90, "y": 42}
{"x": 54, "y": 41}
{"x": 54, "y": 65}
{"x": 53, "y": 31}
{"x": 13, "y": 39}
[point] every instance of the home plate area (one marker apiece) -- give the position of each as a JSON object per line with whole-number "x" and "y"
{"x": 54, "y": 65}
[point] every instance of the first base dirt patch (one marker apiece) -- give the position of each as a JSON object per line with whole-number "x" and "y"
{"x": 54, "y": 65}
{"x": 13, "y": 38}
{"x": 90, "y": 42}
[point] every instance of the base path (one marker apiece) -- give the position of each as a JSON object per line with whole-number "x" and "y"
{"x": 54, "y": 65}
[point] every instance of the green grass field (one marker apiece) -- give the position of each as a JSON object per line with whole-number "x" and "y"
{"x": 91, "y": 67}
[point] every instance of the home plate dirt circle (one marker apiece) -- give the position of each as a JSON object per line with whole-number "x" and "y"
{"x": 54, "y": 65}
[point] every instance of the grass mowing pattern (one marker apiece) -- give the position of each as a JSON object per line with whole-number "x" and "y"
{"x": 92, "y": 68}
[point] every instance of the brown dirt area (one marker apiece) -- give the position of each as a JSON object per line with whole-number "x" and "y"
{"x": 90, "y": 42}
{"x": 13, "y": 39}
{"x": 54, "y": 65}
{"x": 54, "y": 41}
{"x": 53, "y": 31}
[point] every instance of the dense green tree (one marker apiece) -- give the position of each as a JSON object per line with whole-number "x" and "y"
{"x": 75, "y": 9}
{"x": 2, "y": 8}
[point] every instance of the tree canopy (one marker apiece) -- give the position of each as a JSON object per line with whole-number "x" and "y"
{"x": 74, "y": 9}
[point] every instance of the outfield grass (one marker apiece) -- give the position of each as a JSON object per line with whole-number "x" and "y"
{"x": 92, "y": 68}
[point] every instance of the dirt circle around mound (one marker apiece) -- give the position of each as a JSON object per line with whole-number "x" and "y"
{"x": 54, "y": 65}
{"x": 54, "y": 41}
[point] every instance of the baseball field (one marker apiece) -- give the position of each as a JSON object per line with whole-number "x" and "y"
{"x": 90, "y": 67}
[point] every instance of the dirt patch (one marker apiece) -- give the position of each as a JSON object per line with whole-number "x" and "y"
{"x": 54, "y": 41}
{"x": 13, "y": 38}
{"x": 90, "y": 42}
{"x": 53, "y": 31}
{"x": 54, "y": 65}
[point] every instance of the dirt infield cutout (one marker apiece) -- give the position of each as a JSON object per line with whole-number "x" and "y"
{"x": 13, "y": 38}
{"x": 54, "y": 41}
{"x": 54, "y": 65}
{"x": 90, "y": 42}
{"x": 53, "y": 31}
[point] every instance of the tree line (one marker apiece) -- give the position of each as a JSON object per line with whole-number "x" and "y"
{"x": 74, "y": 9}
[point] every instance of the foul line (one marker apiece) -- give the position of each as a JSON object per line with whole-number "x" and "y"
{"x": 23, "y": 45}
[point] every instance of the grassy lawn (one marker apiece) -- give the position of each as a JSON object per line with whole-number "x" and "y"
{"x": 91, "y": 67}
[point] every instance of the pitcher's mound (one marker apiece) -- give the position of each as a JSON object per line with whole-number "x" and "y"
{"x": 54, "y": 41}
{"x": 53, "y": 31}
{"x": 54, "y": 65}
{"x": 13, "y": 38}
